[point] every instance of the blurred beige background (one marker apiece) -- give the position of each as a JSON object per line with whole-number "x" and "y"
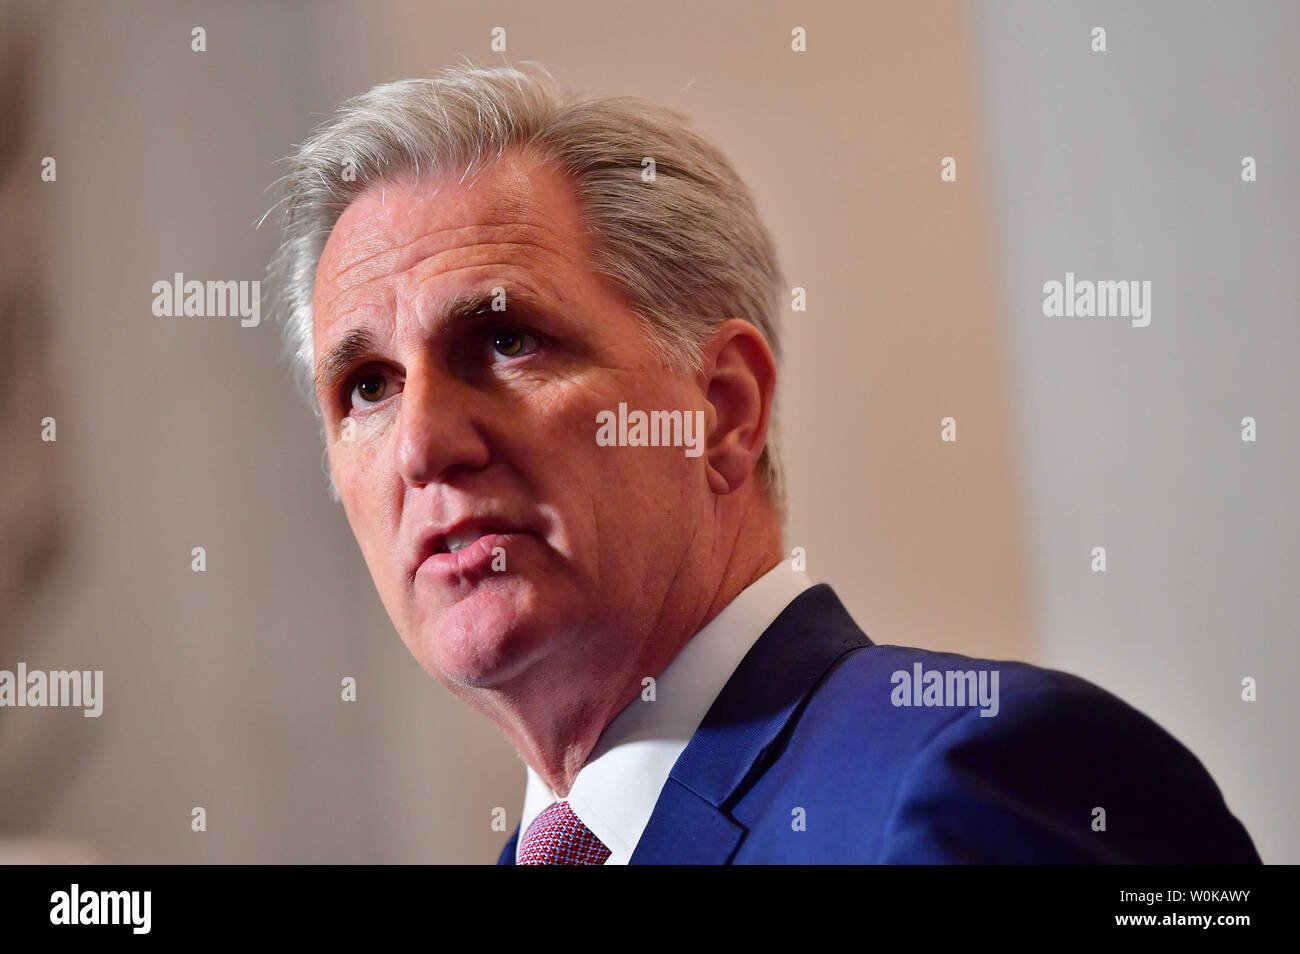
{"x": 222, "y": 688}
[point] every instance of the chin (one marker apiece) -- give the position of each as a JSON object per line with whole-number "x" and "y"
{"x": 484, "y": 639}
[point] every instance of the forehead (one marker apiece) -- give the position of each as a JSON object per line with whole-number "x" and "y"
{"x": 515, "y": 213}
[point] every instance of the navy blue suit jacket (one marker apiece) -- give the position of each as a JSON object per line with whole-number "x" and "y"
{"x": 804, "y": 757}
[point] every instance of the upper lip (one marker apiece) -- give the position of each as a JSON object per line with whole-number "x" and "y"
{"x": 433, "y": 540}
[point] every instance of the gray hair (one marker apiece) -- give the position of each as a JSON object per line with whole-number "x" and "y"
{"x": 686, "y": 254}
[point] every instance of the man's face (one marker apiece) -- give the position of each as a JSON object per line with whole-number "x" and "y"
{"x": 453, "y": 427}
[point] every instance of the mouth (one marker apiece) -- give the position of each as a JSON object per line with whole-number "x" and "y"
{"x": 460, "y": 539}
{"x": 467, "y": 547}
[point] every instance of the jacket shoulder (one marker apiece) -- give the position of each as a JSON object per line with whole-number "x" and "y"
{"x": 921, "y": 756}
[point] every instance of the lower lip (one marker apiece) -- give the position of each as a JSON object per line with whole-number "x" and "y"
{"x": 474, "y": 559}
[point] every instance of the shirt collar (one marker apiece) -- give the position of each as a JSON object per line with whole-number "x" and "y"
{"x": 616, "y": 790}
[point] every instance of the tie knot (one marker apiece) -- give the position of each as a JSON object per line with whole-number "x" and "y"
{"x": 558, "y": 837}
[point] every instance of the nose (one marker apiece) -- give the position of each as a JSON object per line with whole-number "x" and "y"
{"x": 438, "y": 431}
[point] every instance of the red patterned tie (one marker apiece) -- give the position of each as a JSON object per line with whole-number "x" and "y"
{"x": 558, "y": 837}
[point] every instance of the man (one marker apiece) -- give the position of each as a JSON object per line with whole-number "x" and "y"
{"x": 541, "y": 333}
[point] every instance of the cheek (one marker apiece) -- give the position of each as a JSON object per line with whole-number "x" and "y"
{"x": 555, "y": 430}
{"x": 618, "y": 492}
{"x": 363, "y": 480}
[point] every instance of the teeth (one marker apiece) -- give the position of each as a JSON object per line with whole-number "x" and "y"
{"x": 459, "y": 541}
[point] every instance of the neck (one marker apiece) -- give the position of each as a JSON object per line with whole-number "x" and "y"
{"x": 556, "y": 731}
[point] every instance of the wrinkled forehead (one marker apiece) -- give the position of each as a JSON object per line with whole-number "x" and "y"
{"x": 409, "y": 214}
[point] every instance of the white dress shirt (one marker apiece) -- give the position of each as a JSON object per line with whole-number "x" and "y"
{"x": 615, "y": 791}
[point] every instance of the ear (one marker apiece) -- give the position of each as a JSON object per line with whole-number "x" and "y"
{"x": 740, "y": 383}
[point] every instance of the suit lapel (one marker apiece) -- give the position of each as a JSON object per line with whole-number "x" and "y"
{"x": 690, "y": 823}
{"x": 686, "y": 829}
{"x": 507, "y": 856}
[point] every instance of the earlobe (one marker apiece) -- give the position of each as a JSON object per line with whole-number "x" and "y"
{"x": 740, "y": 388}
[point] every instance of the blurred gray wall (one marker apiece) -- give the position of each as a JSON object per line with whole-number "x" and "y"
{"x": 1127, "y": 165}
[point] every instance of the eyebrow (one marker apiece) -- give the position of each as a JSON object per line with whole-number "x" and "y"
{"x": 359, "y": 342}
{"x": 336, "y": 362}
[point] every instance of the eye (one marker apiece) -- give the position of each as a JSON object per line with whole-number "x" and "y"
{"x": 512, "y": 342}
{"x": 369, "y": 387}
